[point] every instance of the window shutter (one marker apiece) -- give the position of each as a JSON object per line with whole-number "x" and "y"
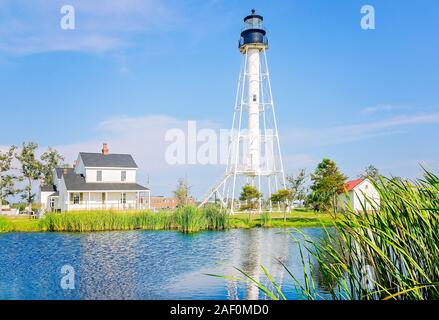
{"x": 81, "y": 197}
{"x": 71, "y": 197}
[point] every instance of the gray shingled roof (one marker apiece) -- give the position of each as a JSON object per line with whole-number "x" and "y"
{"x": 108, "y": 161}
{"x": 59, "y": 172}
{"x": 76, "y": 182}
{"x": 47, "y": 188}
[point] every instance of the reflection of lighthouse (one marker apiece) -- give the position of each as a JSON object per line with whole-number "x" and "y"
{"x": 255, "y": 248}
{"x": 254, "y": 154}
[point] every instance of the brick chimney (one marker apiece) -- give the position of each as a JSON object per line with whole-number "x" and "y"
{"x": 105, "y": 149}
{"x": 65, "y": 171}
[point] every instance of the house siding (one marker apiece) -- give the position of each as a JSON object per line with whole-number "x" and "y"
{"x": 63, "y": 196}
{"x": 110, "y": 175}
{"x": 357, "y": 197}
{"x": 363, "y": 190}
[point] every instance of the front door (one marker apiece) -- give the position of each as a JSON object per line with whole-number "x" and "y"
{"x": 52, "y": 204}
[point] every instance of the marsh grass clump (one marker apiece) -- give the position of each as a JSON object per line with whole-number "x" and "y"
{"x": 265, "y": 219}
{"x": 186, "y": 219}
{"x": 190, "y": 219}
{"x": 89, "y": 221}
{"x": 216, "y": 219}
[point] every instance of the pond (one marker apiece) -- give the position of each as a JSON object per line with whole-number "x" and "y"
{"x": 147, "y": 264}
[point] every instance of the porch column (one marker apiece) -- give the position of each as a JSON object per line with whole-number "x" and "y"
{"x": 88, "y": 201}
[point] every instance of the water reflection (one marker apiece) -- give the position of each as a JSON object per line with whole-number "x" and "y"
{"x": 147, "y": 265}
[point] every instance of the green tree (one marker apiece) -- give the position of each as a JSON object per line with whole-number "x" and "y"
{"x": 6, "y": 179}
{"x": 31, "y": 169}
{"x": 182, "y": 193}
{"x": 51, "y": 160}
{"x": 297, "y": 185}
{"x": 283, "y": 197}
{"x": 318, "y": 201}
{"x": 327, "y": 183}
{"x": 251, "y": 196}
{"x": 371, "y": 172}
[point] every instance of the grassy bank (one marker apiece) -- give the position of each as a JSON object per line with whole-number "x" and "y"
{"x": 186, "y": 220}
{"x": 295, "y": 219}
{"x": 19, "y": 224}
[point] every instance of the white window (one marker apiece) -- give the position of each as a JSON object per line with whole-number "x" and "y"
{"x": 123, "y": 177}
{"x": 99, "y": 176}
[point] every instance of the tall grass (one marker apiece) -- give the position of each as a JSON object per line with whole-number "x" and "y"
{"x": 265, "y": 219}
{"x": 216, "y": 219}
{"x": 186, "y": 219}
{"x": 98, "y": 221}
{"x": 190, "y": 219}
{"x": 389, "y": 253}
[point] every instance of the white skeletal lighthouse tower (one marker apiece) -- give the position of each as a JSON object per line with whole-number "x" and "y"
{"x": 254, "y": 152}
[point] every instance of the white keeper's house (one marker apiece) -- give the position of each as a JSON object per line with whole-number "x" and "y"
{"x": 358, "y": 193}
{"x": 98, "y": 181}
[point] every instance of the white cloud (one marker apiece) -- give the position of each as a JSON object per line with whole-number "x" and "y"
{"x": 356, "y": 132}
{"x": 382, "y": 107}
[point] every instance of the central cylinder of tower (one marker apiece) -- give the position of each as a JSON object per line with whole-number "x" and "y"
{"x": 253, "y": 78}
{"x": 252, "y": 42}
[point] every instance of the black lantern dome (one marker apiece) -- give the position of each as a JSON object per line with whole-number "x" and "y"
{"x": 254, "y": 32}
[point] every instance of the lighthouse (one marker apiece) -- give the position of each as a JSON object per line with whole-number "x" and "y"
{"x": 254, "y": 154}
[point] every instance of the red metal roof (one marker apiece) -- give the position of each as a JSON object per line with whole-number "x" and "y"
{"x": 350, "y": 185}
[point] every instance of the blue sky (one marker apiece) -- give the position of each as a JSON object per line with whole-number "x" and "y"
{"x": 133, "y": 69}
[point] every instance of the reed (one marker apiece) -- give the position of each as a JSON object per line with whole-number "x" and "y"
{"x": 187, "y": 219}
{"x": 266, "y": 219}
{"x": 389, "y": 253}
{"x": 89, "y": 221}
{"x": 216, "y": 219}
{"x": 190, "y": 219}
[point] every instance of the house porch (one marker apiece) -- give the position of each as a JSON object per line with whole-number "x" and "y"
{"x": 121, "y": 200}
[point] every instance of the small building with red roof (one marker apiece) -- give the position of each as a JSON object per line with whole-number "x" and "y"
{"x": 359, "y": 194}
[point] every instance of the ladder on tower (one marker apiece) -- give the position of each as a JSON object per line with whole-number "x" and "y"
{"x": 215, "y": 189}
